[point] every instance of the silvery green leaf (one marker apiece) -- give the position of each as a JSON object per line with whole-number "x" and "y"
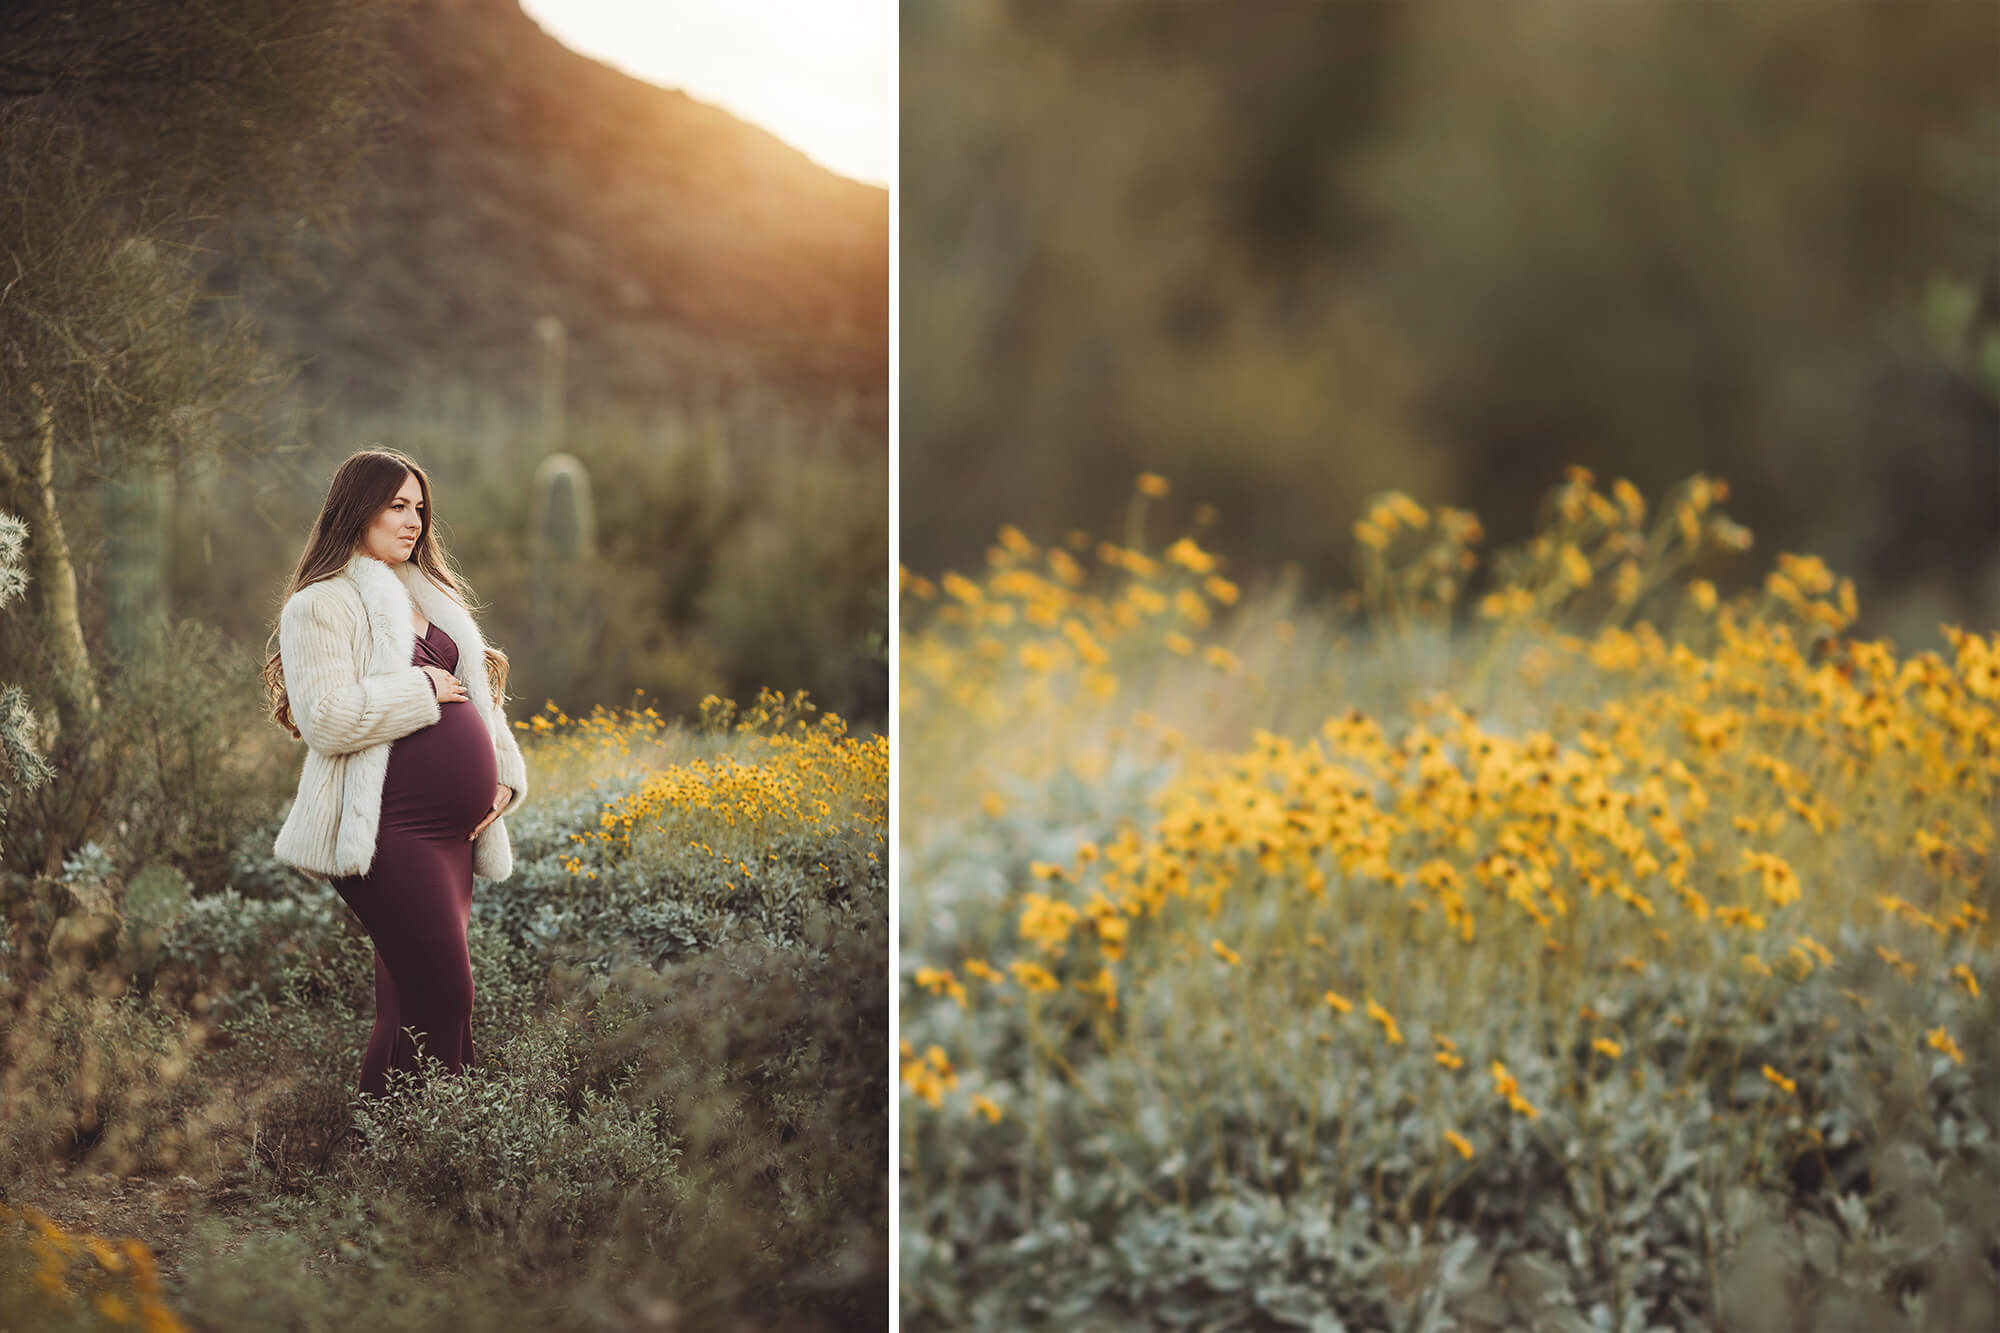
{"x": 1853, "y": 1210}
{"x": 1823, "y": 1243}
{"x": 1534, "y": 1280}
{"x": 1561, "y": 1320}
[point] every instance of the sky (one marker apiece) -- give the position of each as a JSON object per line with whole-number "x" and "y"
{"x": 819, "y": 74}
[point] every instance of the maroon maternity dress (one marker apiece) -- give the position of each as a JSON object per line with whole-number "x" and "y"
{"x": 416, "y": 898}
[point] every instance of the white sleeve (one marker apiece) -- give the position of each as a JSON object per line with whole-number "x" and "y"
{"x": 337, "y": 708}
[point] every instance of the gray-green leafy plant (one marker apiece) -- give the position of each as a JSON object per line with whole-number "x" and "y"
{"x": 24, "y": 769}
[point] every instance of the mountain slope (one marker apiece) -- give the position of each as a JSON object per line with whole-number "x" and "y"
{"x": 688, "y": 255}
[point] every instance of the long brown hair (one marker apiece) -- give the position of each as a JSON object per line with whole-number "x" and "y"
{"x": 361, "y": 489}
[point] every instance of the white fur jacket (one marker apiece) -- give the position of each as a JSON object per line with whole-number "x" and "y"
{"x": 345, "y": 645}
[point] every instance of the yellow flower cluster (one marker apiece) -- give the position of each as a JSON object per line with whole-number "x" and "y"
{"x": 785, "y": 776}
{"x": 1036, "y": 614}
{"x": 1646, "y": 801}
{"x": 119, "y": 1277}
{"x": 613, "y": 732}
{"x": 930, "y": 1075}
{"x": 1627, "y": 805}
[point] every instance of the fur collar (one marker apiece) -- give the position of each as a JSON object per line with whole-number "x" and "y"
{"x": 387, "y": 592}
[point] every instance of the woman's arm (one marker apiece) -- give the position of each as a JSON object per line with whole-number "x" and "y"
{"x": 336, "y": 708}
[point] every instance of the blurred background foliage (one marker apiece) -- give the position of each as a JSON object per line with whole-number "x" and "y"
{"x": 1292, "y": 254}
{"x": 735, "y": 546}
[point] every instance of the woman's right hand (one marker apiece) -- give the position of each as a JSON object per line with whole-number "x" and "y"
{"x": 450, "y": 689}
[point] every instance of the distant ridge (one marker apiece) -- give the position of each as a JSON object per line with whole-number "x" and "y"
{"x": 688, "y": 254}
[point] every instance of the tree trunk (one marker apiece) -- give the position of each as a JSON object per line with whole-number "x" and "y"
{"x": 74, "y": 743}
{"x": 77, "y": 702}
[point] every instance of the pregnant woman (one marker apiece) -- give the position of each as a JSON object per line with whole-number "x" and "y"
{"x": 409, "y": 758}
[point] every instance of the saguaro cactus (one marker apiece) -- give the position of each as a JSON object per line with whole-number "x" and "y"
{"x": 135, "y": 522}
{"x": 565, "y": 517}
{"x": 562, "y": 537}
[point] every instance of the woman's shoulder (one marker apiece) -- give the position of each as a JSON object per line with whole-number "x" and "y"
{"x": 331, "y": 595}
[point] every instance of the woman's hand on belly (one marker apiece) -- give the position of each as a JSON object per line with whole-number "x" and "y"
{"x": 503, "y": 796}
{"x": 449, "y": 688}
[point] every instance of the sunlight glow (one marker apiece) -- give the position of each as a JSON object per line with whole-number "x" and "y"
{"x": 819, "y": 74}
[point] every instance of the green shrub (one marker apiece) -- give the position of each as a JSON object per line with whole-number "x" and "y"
{"x": 295, "y": 1053}
{"x": 518, "y": 1150}
{"x": 102, "y": 1081}
{"x": 767, "y": 1064}
{"x": 193, "y": 751}
{"x": 235, "y": 949}
{"x": 341, "y": 1261}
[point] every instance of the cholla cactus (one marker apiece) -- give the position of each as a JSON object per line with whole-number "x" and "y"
{"x": 23, "y": 769}
{"x": 13, "y": 567}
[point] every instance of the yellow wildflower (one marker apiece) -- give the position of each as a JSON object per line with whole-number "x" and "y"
{"x": 1104, "y": 985}
{"x": 938, "y": 981}
{"x": 1780, "y": 883}
{"x": 1190, "y": 557}
{"x": 1390, "y": 1032}
{"x": 1047, "y": 921}
{"x": 1941, "y": 1040}
{"x": 1034, "y": 976}
{"x": 985, "y": 971}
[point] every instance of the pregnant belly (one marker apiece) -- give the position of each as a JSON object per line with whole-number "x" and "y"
{"x": 441, "y": 779}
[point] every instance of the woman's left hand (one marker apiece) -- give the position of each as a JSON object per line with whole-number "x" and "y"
{"x": 503, "y": 796}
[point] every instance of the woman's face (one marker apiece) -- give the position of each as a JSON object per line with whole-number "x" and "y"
{"x": 393, "y": 534}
